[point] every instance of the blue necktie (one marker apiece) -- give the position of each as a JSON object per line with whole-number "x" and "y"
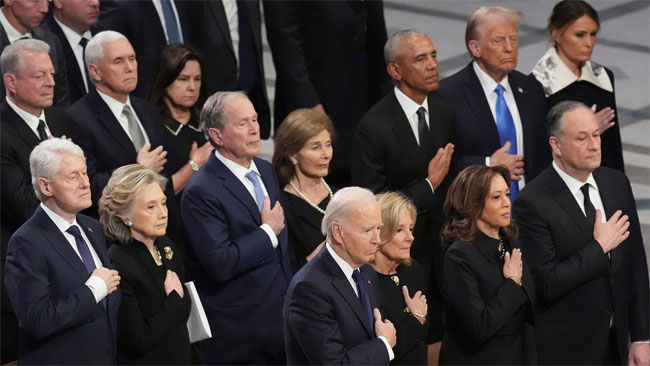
{"x": 173, "y": 33}
{"x": 84, "y": 251}
{"x": 259, "y": 192}
{"x": 364, "y": 297}
{"x": 507, "y": 132}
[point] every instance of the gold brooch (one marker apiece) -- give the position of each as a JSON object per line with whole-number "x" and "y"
{"x": 395, "y": 279}
{"x": 169, "y": 253}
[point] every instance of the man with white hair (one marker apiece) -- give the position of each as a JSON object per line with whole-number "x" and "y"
{"x": 499, "y": 111}
{"x": 331, "y": 312}
{"x": 57, "y": 270}
{"x": 27, "y": 118}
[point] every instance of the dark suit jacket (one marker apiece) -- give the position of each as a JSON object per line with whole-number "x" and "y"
{"x": 328, "y": 52}
{"x": 152, "y": 326}
{"x": 76, "y": 87}
{"x": 577, "y": 286}
{"x": 61, "y": 93}
{"x": 388, "y": 158}
{"x": 323, "y": 319}
{"x": 60, "y": 322}
{"x": 240, "y": 277}
{"x": 489, "y": 318}
{"x": 476, "y": 130}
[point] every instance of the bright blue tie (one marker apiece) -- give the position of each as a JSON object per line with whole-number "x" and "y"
{"x": 173, "y": 33}
{"x": 259, "y": 192}
{"x": 84, "y": 251}
{"x": 507, "y": 132}
{"x": 364, "y": 297}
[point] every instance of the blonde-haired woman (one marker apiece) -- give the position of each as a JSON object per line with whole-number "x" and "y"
{"x": 154, "y": 310}
{"x": 401, "y": 279}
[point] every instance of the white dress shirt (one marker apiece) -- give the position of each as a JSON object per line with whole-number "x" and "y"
{"x": 574, "y": 186}
{"x": 12, "y": 33}
{"x": 116, "y": 108}
{"x": 96, "y": 285}
{"x": 30, "y": 119}
{"x": 161, "y": 15}
{"x": 240, "y": 172}
{"x": 73, "y": 39}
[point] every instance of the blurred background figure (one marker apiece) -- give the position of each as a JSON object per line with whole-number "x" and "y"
{"x": 401, "y": 279}
{"x": 152, "y": 318}
{"x": 303, "y": 151}
{"x": 567, "y": 73}
{"x": 488, "y": 290}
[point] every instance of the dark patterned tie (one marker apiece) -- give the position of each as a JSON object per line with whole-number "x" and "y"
{"x": 423, "y": 130}
{"x": 364, "y": 297}
{"x": 42, "y": 134}
{"x": 84, "y": 251}
{"x": 590, "y": 211}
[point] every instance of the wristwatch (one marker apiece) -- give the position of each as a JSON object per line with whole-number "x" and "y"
{"x": 193, "y": 165}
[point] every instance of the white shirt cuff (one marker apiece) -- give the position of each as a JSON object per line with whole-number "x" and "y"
{"x": 430, "y": 185}
{"x": 391, "y": 355}
{"x": 98, "y": 287}
{"x": 646, "y": 341}
{"x": 487, "y": 161}
{"x": 271, "y": 234}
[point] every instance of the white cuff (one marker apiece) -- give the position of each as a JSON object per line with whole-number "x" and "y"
{"x": 98, "y": 287}
{"x": 391, "y": 355}
{"x": 487, "y": 161}
{"x": 646, "y": 341}
{"x": 271, "y": 234}
{"x": 430, "y": 185}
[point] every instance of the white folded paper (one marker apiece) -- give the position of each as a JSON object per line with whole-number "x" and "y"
{"x": 197, "y": 325}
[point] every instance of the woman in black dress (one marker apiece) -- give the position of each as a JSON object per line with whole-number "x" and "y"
{"x": 401, "y": 279}
{"x": 488, "y": 290}
{"x": 303, "y": 151}
{"x": 152, "y": 320}
{"x": 567, "y": 73}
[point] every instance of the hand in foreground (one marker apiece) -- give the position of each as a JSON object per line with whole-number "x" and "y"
{"x": 200, "y": 155}
{"x": 512, "y": 266}
{"x": 439, "y": 165}
{"x": 172, "y": 282}
{"x": 514, "y": 163}
{"x": 110, "y": 277}
{"x": 273, "y": 217}
{"x": 385, "y": 328}
{"x": 417, "y": 305}
{"x": 154, "y": 159}
{"x": 611, "y": 233}
{"x": 639, "y": 354}
{"x": 605, "y": 118}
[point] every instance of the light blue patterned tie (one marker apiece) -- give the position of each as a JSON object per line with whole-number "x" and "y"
{"x": 259, "y": 192}
{"x": 173, "y": 33}
{"x": 507, "y": 132}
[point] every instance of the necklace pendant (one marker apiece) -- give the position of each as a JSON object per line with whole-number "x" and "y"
{"x": 395, "y": 279}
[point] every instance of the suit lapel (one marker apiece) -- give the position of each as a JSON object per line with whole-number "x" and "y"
{"x": 111, "y": 124}
{"x": 524, "y": 109}
{"x": 475, "y": 98}
{"x": 232, "y": 184}
{"x": 565, "y": 199}
{"x": 73, "y": 77}
{"x": 216, "y": 7}
{"x": 404, "y": 133}
{"x": 94, "y": 240}
{"x": 17, "y": 123}
{"x": 147, "y": 124}
{"x": 610, "y": 205}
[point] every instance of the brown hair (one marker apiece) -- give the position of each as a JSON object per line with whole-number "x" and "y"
{"x": 466, "y": 200}
{"x": 393, "y": 205}
{"x": 568, "y": 11}
{"x": 294, "y": 132}
{"x": 172, "y": 61}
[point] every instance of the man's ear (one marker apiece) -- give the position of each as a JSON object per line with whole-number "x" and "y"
{"x": 394, "y": 71}
{"x": 10, "y": 83}
{"x": 555, "y": 145}
{"x": 216, "y": 136}
{"x": 45, "y": 187}
{"x": 474, "y": 48}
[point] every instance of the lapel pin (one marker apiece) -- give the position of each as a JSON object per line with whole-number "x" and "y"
{"x": 90, "y": 229}
{"x": 520, "y": 90}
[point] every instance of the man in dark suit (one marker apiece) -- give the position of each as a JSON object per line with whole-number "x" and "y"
{"x": 118, "y": 128}
{"x": 404, "y": 143}
{"x": 327, "y": 56}
{"x": 580, "y": 234}
{"x": 331, "y": 313}
{"x": 57, "y": 270}
{"x": 237, "y": 252}
{"x": 71, "y": 22}
{"x": 28, "y": 102}
{"x": 499, "y": 111}
{"x": 20, "y": 20}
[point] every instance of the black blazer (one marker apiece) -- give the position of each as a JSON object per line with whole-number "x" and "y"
{"x": 476, "y": 130}
{"x": 323, "y": 319}
{"x": 152, "y": 326}
{"x": 578, "y": 288}
{"x": 388, "y": 158}
{"x": 489, "y": 318}
{"x": 61, "y": 93}
{"x": 60, "y": 322}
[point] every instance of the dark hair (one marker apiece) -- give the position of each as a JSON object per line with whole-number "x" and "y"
{"x": 466, "y": 200}
{"x": 554, "y": 125}
{"x": 568, "y": 11}
{"x": 294, "y": 132}
{"x": 172, "y": 61}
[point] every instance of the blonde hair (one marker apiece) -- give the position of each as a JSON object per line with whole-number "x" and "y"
{"x": 393, "y": 205}
{"x": 475, "y": 29}
{"x": 118, "y": 197}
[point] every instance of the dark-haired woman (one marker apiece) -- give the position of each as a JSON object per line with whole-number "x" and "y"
{"x": 567, "y": 73}
{"x": 488, "y": 290}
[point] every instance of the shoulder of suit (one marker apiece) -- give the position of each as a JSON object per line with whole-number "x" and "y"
{"x": 379, "y": 110}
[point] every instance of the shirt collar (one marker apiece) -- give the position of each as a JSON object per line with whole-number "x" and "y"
{"x": 409, "y": 106}
{"x": 30, "y": 119}
{"x": 487, "y": 83}
{"x": 61, "y": 223}
{"x": 236, "y": 169}
{"x": 12, "y": 33}
{"x": 115, "y": 105}
{"x": 72, "y": 36}
{"x": 345, "y": 266}
{"x": 573, "y": 184}
{"x": 555, "y": 75}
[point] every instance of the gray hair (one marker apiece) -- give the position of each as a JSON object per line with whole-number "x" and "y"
{"x": 95, "y": 47}
{"x": 11, "y": 60}
{"x": 488, "y": 14}
{"x": 213, "y": 112}
{"x": 394, "y": 43}
{"x": 555, "y": 117}
{"x": 341, "y": 204}
{"x": 45, "y": 160}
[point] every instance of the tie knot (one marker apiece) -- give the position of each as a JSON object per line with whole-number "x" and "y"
{"x": 41, "y": 124}
{"x": 83, "y": 42}
{"x": 126, "y": 110}
{"x": 74, "y": 231}
{"x": 357, "y": 276}
{"x": 585, "y": 189}
{"x": 421, "y": 112}
{"x": 499, "y": 90}
{"x": 252, "y": 176}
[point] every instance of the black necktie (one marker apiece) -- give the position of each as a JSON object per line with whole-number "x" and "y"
{"x": 364, "y": 297}
{"x": 41, "y": 130}
{"x": 590, "y": 211}
{"x": 423, "y": 130}
{"x": 89, "y": 83}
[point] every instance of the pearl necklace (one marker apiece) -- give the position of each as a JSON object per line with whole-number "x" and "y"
{"x": 304, "y": 197}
